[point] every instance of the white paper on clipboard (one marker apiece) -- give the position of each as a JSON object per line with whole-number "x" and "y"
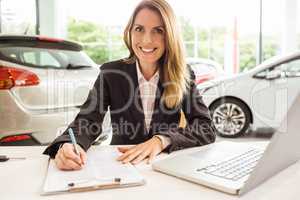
{"x": 101, "y": 168}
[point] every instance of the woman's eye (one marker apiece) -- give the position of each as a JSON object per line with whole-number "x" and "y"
{"x": 138, "y": 29}
{"x": 160, "y": 31}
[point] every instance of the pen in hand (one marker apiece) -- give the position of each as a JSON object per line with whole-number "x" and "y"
{"x": 73, "y": 140}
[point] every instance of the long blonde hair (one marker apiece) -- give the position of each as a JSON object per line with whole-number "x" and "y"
{"x": 176, "y": 76}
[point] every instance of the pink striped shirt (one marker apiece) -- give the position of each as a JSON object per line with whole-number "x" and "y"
{"x": 148, "y": 94}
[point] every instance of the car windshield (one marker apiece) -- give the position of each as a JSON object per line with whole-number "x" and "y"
{"x": 45, "y": 58}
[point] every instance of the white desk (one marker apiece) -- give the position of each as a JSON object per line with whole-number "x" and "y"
{"x": 24, "y": 179}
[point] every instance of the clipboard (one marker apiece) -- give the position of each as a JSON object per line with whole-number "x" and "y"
{"x": 101, "y": 171}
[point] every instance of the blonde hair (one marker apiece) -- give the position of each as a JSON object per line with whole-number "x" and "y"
{"x": 176, "y": 76}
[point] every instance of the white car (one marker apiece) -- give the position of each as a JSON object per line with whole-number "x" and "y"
{"x": 43, "y": 82}
{"x": 256, "y": 99}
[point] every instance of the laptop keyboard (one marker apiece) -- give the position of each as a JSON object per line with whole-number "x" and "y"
{"x": 237, "y": 167}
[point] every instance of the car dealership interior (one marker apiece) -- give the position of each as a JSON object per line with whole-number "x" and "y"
{"x": 196, "y": 97}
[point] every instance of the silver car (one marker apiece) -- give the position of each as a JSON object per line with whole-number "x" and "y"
{"x": 256, "y": 100}
{"x": 43, "y": 82}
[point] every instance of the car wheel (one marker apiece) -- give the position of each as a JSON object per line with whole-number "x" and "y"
{"x": 231, "y": 117}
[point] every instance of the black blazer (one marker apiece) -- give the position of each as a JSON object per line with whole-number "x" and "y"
{"x": 117, "y": 88}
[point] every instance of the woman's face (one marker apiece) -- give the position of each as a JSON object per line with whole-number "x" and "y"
{"x": 148, "y": 37}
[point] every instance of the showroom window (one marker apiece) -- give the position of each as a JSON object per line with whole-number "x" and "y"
{"x": 222, "y": 31}
{"x": 271, "y": 27}
{"x": 227, "y": 32}
{"x": 15, "y": 19}
{"x": 298, "y": 27}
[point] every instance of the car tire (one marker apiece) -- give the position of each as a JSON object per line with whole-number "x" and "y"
{"x": 231, "y": 117}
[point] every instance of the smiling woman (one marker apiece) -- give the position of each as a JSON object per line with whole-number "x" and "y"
{"x": 148, "y": 40}
{"x": 146, "y": 94}
{"x": 163, "y": 33}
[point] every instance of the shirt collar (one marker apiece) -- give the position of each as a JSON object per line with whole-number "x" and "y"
{"x": 141, "y": 77}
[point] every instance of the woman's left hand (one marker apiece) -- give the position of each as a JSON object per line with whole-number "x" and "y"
{"x": 136, "y": 154}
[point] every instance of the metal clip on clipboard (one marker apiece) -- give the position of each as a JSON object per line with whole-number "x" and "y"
{"x": 72, "y": 187}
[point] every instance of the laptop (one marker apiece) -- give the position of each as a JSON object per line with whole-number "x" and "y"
{"x": 236, "y": 168}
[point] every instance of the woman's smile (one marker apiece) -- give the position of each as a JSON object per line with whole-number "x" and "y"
{"x": 147, "y": 50}
{"x": 148, "y": 37}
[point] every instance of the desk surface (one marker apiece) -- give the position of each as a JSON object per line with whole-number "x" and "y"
{"x": 24, "y": 179}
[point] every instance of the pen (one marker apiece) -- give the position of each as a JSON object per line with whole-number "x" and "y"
{"x": 4, "y": 158}
{"x": 73, "y": 140}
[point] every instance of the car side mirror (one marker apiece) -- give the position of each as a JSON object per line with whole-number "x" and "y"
{"x": 274, "y": 74}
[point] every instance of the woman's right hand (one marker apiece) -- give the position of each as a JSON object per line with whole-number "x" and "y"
{"x": 67, "y": 159}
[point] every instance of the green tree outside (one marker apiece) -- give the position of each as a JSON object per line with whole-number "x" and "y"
{"x": 103, "y": 44}
{"x": 98, "y": 42}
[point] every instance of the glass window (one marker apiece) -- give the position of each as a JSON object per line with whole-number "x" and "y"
{"x": 224, "y": 31}
{"x": 289, "y": 69}
{"x": 227, "y": 36}
{"x": 298, "y": 25}
{"x": 272, "y": 19}
{"x": 292, "y": 69}
{"x": 203, "y": 68}
{"x": 30, "y": 57}
{"x": 43, "y": 58}
{"x": 18, "y": 17}
{"x": 40, "y": 58}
